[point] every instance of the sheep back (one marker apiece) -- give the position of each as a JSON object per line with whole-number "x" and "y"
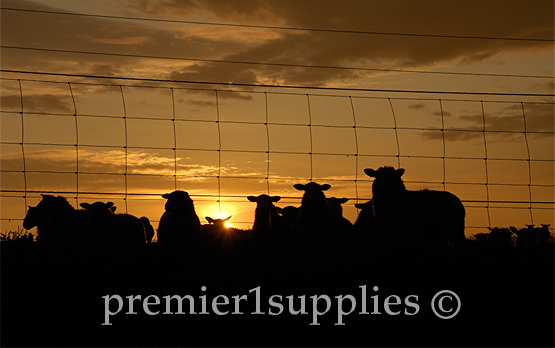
{"x": 179, "y": 224}
{"x": 423, "y": 216}
{"x": 269, "y": 225}
{"x": 316, "y": 223}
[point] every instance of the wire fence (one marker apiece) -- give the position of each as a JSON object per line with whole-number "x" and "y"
{"x": 272, "y": 181}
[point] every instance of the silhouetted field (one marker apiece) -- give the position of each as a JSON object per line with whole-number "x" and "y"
{"x": 52, "y": 295}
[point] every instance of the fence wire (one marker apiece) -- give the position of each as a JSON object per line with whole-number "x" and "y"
{"x": 217, "y": 196}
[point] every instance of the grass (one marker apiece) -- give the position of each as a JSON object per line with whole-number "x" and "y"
{"x": 17, "y": 236}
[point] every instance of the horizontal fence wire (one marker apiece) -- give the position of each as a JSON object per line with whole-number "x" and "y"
{"x": 268, "y": 177}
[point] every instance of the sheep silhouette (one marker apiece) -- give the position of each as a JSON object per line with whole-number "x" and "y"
{"x": 57, "y": 221}
{"x": 499, "y": 237}
{"x": 218, "y": 224}
{"x": 218, "y": 237}
{"x": 365, "y": 225}
{"x": 365, "y": 222}
{"x": 179, "y": 225}
{"x": 317, "y": 223}
{"x": 336, "y": 203}
{"x": 269, "y": 226}
{"x": 408, "y": 217}
{"x": 526, "y": 237}
{"x": 289, "y": 213}
{"x": 114, "y": 229}
{"x": 543, "y": 233}
{"x": 149, "y": 230}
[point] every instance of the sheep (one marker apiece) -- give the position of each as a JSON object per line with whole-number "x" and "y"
{"x": 410, "y": 217}
{"x": 114, "y": 229}
{"x": 289, "y": 213}
{"x": 345, "y": 225}
{"x": 365, "y": 221}
{"x": 216, "y": 234}
{"x": 481, "y": 238}
{"x": 179, "y": 225}
{"x": 499, "y": 237}
{"x": 268, "y": 226}
{"x": 317, "y": 222}
{"x": 526, "y": 237}
{"x": 149, "y": 230}
{"x": 57, "y": 221}
{"x": 219, "y": 225}
{"x": 543, "y": 233}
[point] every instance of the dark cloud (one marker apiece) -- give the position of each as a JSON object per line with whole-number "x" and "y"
{"x": 469, "y": 18}
{"x": 539, "y": 118}
{"x": 445, "y": 113}
{"x": 417, "y": 106}
{"x": 498, "y": 19}
{"x": 36, "y": 103}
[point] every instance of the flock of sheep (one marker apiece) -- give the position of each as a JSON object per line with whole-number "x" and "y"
{"x": 394, "y": 216}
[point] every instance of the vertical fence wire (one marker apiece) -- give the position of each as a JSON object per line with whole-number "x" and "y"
{"x": 79, "y": 159}
{"x": 443, "y": 140}
{"x": 268, "y": 148}
{"x": 219, "y": 154}
{"x": 310, "y": 134}
{"x": 22, "y": 145}
{"x": 125, "y": 147}
{"x": 529, "y": 165}
{"x": 396, "y": 134}
{"x": 356, "y": 147}
{"x": 174, "y": 143}
{"x": 486, "y": 161}
{"x": 76, "y": 145}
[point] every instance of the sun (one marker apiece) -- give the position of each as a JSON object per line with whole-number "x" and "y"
{"x": 216, "y": 214}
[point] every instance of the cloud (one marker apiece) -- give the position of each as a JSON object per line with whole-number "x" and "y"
{"x": 548, "y": 87}
{"x": 509, "y": 18}
{"x": 36, "y": 103}
{"x": 445, "y": 113}
{"x": 539, "y": 118}
{"x": 132, "y": 40}
{"x": 417, "y": 106}
{"x": 512, "y": 19}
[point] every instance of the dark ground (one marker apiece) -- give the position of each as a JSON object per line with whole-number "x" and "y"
{"x": 52, "y": 296}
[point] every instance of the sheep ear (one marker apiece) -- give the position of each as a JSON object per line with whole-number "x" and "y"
{"x": 109, "y": 204}
{"x": 513, "y": 229}
{"x": 370, "y": 172}
{"x": 252, "y": 198}
{"x": 275, "y": 198}
{"x": 325, "y": 187}
{"x": 400, "y": 171}
{"x": 166, "y": 196}
{"x": 299, "y": 187}
{"x": 85, "y": 205}
{"x": 229, "y": 217}
{"x": 209, "y": 219}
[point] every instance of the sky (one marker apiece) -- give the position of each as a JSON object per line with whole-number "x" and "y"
{"x": 233, "y": 139}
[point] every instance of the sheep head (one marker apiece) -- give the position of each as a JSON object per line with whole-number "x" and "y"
{"x": 220, "y": 223}
{"x": 177, "y": 200}
{"x": 264, "y": 198}
{"x": 336, "y": 204}
{"x": 100, "y": 209}
{"x": 387, "y": 180}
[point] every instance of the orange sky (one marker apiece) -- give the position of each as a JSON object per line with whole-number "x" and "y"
{"x": 50, "y": 129}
